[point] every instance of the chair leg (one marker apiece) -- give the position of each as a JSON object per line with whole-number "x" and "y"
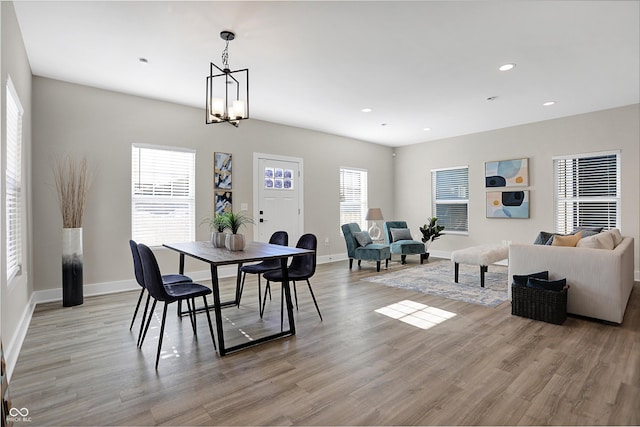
{"x": 135, "y": 313}
{"x": 206, "y": 308}
{"x": 164, "y": 318}
{"x": 192, "y": 314}
{"x": 378, "y": 266}
{"x": 403, "y": 259}
{"x": 295, "y": 293}
{"x": 244, "y": 275}
{"x": 150, "y": 315}
{"x": 350, "y": 263}
{"x": 314, "y": 299}
{"x": 359, "y": 262}
{"x": 386, "y": 263}
{"x": 456, "y": 269}
{"x": 264, "y": 301}
{"x": 260, "y": 295}
{"x": 144, "y": 319}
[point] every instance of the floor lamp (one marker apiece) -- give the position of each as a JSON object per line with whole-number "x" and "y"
{"x": 373, "y": 215}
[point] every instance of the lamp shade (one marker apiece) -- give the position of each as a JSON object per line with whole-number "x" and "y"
{"x": 374, "y": 214}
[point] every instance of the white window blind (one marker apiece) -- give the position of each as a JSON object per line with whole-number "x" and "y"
{"x": 587, "y": 191}
{"x": 450, "y": 198}
{"x": 13, "y": 174}
{"x": 162, "y": 195}
{"x": 353, "y": 197}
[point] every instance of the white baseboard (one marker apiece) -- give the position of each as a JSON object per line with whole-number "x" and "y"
{"x": 14, "y": 346}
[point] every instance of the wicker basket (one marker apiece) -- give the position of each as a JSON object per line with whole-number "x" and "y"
{"x": 539, "y": 304}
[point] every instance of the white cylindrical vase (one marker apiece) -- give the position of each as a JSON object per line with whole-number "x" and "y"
{"x": 72, "y": 293}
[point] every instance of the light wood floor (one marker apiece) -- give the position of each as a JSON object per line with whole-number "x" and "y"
{"x": 80, "y": 366}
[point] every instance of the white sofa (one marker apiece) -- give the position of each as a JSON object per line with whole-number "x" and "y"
{"x": 600, "y": 280}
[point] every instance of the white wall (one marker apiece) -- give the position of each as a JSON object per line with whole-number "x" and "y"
{"x": 15, "y": 295}
{"x": 617, "y": 128}
{"x": 102, "y": 125}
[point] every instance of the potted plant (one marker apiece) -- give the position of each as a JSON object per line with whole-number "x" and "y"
{"x": 234, "y": 221}
{"x": 217, "y": 225}
{"x": 430, "y": 232}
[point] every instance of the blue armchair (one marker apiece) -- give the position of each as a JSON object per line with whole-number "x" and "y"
{"x": 369, "y": 252}
{"x": 398, "y": 237}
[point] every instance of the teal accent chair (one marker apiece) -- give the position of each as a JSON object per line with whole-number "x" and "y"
{"x": 403, "y": 247}
{"x": 371, "y": 252}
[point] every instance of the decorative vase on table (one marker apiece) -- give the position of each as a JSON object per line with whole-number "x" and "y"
{"x": 234, "y": 242}
{"x": 72, "y": 293}
{"x": 218, "y": 239}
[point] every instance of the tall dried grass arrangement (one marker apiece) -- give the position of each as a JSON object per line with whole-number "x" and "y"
{"x": 72, "y": 179}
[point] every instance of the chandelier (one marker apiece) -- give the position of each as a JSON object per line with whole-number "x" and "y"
{"x": 227, "y": 91}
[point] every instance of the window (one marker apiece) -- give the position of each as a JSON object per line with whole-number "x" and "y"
{"x": 353, "y": 196}
{"x": 450, "y": 198}
{"x": 162, "y": 194}
{"x": 13, "y": 175}
{"x": 587, "y": 191}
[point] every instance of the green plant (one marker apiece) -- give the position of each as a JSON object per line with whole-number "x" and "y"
{"x": 431, "y": 231}
{"x": 234, "y": 221}
{"x": 217, "y": 223}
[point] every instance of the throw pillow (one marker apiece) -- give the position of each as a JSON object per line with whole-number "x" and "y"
{"x": 400, "y": 234}
{"x": 548, "y": 285}
{"x": 570, "y": 240}
{"x": 597, "y": 241}
{"x": 593, "y": 229}
{"x": 521, "y": 280}
{"x": 543, "y": 238}
{"x": 363, "y": 238}
{"x": 617, "y": 237}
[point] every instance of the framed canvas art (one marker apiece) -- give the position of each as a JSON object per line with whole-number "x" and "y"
{"x": 507, "y": 173}
{"x": 508, "y": 204}
{"x": 223, "y": 202}
{"x": 222, "y": 171}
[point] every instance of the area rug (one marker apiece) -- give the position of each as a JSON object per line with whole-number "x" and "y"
{"x": 436, "y": 278}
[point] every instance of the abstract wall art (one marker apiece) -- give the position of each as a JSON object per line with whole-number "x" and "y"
{"x": 507, "y": 173}
{"x": 222, "y": 171}
{"x": 223, "y": 202}
{"x": 508, "y": 204}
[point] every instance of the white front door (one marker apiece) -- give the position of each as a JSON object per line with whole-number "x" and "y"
{"x": 278, "y": 187}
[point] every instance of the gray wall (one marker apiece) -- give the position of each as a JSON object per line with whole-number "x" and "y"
{"x": 102, "y": 125}
{"x": 16, "y": 294}
{"x": 603, "y": 130}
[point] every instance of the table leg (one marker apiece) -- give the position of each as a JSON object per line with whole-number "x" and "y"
{"x": 181, "y": 271}
{"x": 287, "y": 294}
{"x": 217, "y": 308}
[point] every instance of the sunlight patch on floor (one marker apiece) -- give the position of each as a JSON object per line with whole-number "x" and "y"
{"x": 416, "y": 314}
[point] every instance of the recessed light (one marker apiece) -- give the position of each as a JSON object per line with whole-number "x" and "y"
{"x": 548, "y": 103}
{"x": 383, "y": 124}
{"x": 507, "y": 67}
{"x": 366, "y": 110}
{"x": 143, "y": 60}
{"x": 492, "y": 98}
{"x": 426, "y": 129}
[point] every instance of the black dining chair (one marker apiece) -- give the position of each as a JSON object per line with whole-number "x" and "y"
{"x": 167, "y": 279}
{"x": 169, "y": 294}
{"x": 278, "y": 238}
{"x": 302, "y": 267}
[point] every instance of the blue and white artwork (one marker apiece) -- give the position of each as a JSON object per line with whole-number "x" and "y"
{"x": 507, "y": 173}
{"x": 223, "y": 202}
{"x": 222, "y": 171}
{"x": 508, "y": 204}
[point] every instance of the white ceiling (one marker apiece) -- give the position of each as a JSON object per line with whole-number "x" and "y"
{"x": 317, "y": 64}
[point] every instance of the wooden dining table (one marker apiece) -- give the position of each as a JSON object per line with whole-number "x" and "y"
{"x": 253, "y": 252}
